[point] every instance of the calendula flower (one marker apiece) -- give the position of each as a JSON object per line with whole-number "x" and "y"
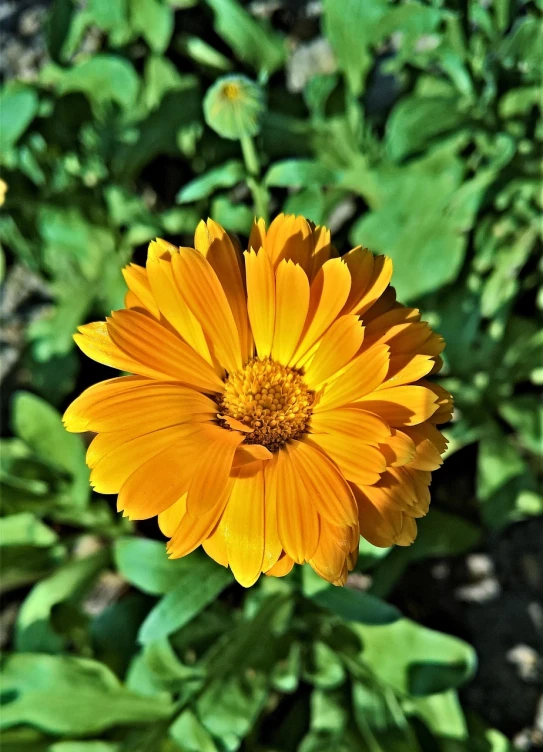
{"x": 279, "y": 406}
{"x": 234, "y": 107}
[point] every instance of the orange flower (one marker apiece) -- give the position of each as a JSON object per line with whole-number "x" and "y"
{"x": 278, "y": 407}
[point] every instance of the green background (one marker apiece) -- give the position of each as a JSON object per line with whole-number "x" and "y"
{"x": 409, "y": 127}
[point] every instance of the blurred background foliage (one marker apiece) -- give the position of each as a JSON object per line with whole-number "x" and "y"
{"x": 410, "y": 127}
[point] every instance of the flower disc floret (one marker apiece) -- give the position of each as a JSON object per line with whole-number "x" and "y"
{"x": 269, "y": 398}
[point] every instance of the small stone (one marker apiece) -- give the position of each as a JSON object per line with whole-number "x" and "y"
{"x": 479, "y": 566}
{"x": 526, "y": 660}
{"x": 479, "y": 592}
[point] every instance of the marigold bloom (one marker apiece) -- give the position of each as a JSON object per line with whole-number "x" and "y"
{"x": 278, "y": 407}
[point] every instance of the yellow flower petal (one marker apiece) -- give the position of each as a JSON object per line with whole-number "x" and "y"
{"x": 405, "y": 369}
{"x": 115, "y": 466}
{"x": 323, "y": 251}
{"x": 142, "y": 497}
{"x": 244, "y": 524}
{"x": 260, "y": 300}
{"x": 138, "y": 283}
{"x": 359, "y": 462}
{"x": 289, "y": 237}
{"x": 76, "y": 418}
{"x": 336, "y": 349}
{"x": 361, "y": 378}
{"x": 380, "y": 523}
{"x": 352, "y": 423}
{"x": 282, "y": 567}
{"x": 149, "y": 407}
{"x": 207, "y": 300}
{"x": 323, "y": 482}
{"x": 145, "y": 341}
{"x": 430, "y": 445}
{"x": 214, "y": 243}
{"x": 211, "y": 473}
{"x": 215, "y": 544}
{"x": 250, "y": 453}
{"x": 291, "y": 307}
{"x": 329, "y": 291}
{"x": 401, "y": 405}
{"x": 329, "y": 560}
{"x": 169, "y": 519}
{"x": 297, "y": 519}
{"x": 398, "y": 449}
{"x": 192, "y": 532}
{"x": 272, "y": 542}
{"x": 257, "y": 237}
{"x": 95, "y": 341}
{"x": 370, "y": 274}
{"x": 173, "y": 306}
{"x": 444, "y": 402}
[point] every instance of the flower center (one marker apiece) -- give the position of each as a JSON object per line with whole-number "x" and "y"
{"x": 270, "y": 398}
{"x": 232, "y": 91}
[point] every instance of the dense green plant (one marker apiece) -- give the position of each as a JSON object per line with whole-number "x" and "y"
{"x": 116, "y": 648}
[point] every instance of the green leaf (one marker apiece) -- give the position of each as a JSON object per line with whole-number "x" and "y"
{"x": 158, "y": 133}
{"x": 234, "y": 217}
{"x": 323, "y": 667}
{"x": 427, "y": 245}
{"x": 354, "y": 605}
{"x": 162, "y": 660}
{"x": 443, "y": 715}
{"x": 498, "y": 462}
{"x": 85, "y": 747}
{"x": 34, "y": 631}
{"x": 441, "y": 533}
{"x": 299, "y": 173}
{"x": 286, "y": 673}
{"x": 518, "y": 102}
{"x": 506, "y": 486}
{"x": 416, "y": 120}
{"x": 199, "y": 584}
{"x": 160, "y": 77}
{"x": 145, "y": 564}
{"x": 58, "y": 24}
{"x": 352, "y": 27}
{"x": 154, "y": 21}
{"x": 190, "y": 734}
{"x": 223, "y": 176}
{"x": 415, "y": 660}
{"x": 329, "y": 712}
{"x": 502, "y": 284}
{"x": 252, "y": 43}
{"x": 228, "y": 708}
{"x": 40, "y": 426}
{"x": 203, "y": 53}
{"x": 109, "y": 15}
{"x": 19, "y": 106}
{"x": 349, "y": 604}
{"x": 525, "y": 413}
{"x": 521, "y": 47}
{"x": 71, "y": 696}
{"x": 380, "y": 719}
{"x": 102, "y": 78}
{"x": 25, "y": 529}
{"x": 309, "y": 202}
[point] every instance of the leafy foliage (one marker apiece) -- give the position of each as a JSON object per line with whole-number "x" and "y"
{"x": 415, "y": 133}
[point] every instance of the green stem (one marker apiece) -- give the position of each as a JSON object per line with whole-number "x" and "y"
{"x": 252, "y": 163}
{"x": 250, "y": 156}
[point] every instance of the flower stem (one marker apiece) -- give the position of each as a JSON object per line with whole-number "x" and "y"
{"x": 252, "y": 163}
